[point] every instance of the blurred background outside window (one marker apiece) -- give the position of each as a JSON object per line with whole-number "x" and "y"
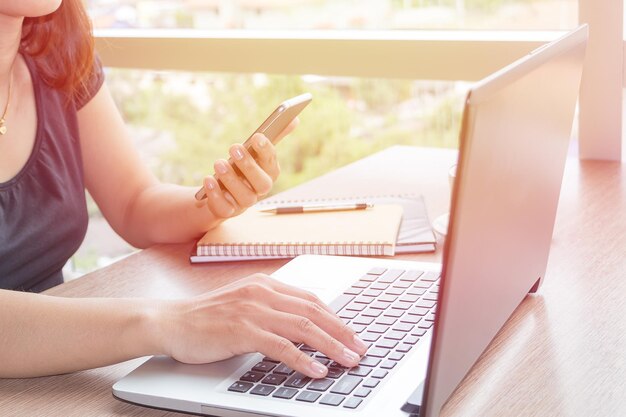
{"x": 182, "y": 121}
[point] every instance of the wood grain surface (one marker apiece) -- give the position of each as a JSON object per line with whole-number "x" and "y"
{"x": 562, "y": 353}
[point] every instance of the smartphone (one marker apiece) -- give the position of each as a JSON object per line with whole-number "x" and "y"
{"x": 271, "y": 127}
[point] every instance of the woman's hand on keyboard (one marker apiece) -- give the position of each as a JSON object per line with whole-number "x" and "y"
{"x": 256, "y": 314}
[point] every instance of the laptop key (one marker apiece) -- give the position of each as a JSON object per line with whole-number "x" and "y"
{"x": 388, "y": 298}
{"x": 416, "y": 291}
{"x": 411, "y": 340}
{"x": 320, "y": 384}
{"x": 347, "y": 314}
{"x": 430, "y": 276}
{"x": 390, "y": 276}
{"x": 425, "y": 304}
{"x": 298, "y": 380}
{"x": 372, "y": 293}
{"x": 362, "y": 392}
{"x": 411, "y": 275}
{"x": 363, "y": 320}
{"x": 369, "y": 337}
{"x": 334, "y": 372}
{"x": 283, "y": 369}
{"x": 430, "y": 297}
{"x": 369, "y": 277}
{"x": 308, "y": 396}
{"x": 252, "y": 376}
{"x": 352, "y": 402}
{"x": 386, "y": 321}
{"x": 402, "y": 284}
{"x": 379, "y": 373}
{"x": 264, "y": 367}
{"x": 364, "y": 299}
{"x": 404, "y": 348}
{"x": 403, "y": 327}
{"x": 401, "y": 305}
{"x": 418, "y": 311}
{"x": 370, "y": 312}
{"x": 369, "y": 361}
{"x": 379, "y": 286}
{"x": 377, "y": 270}
{"x": 388, "y": 364}
{"x": 378, "y": 352}
{"x": 371, "y": 383}
{"x": 346, "y": 384}
{"x": 377, "y": 328}
{"x": 361, "y": 284}
{"x": 286, "y": 393}
{"x": 353, "y": 291}
{"x": 409, "y": 298}
{"x": 387, "y": 343}
{"x": 395, "y": 291}
{"x": 358, "y": 328}
{"x": 410, "y": 319}
{"x": 360, "y": 371}
{"x": 380, "y": 305}
{"x": 418, "y": 332}
{"x": 263, "y": 390}
{"x": 356, "y": 307}
{"x": 393, "y": 313}
{"x": 274, "y": 379}
{"x": 332, "y": 399}
{"x": 395, "y": 335}
{"x": 396, "y": 356}
{"x": 240, "y": 386}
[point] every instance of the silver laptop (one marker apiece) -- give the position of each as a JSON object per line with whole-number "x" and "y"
{"x": 427, "y": 323}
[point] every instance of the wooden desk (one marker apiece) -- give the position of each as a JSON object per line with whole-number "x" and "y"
{"x": 563, "y": 353}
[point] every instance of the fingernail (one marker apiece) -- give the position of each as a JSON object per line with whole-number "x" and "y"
{"x": 210, "y": 185}
{"x": 351, "y": 356}
{"x": 220, "y": 167}
{"x": 359, "y": 343}
{"x": 237, "y": 154}
{"x": 262, "y": 141}
{"x": 318, "y": 368}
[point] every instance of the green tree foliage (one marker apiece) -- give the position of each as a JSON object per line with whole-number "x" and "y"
{"x": 347, "y": 120}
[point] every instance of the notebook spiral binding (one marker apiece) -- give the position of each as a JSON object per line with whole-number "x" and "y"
{"x": 292, "y": 249}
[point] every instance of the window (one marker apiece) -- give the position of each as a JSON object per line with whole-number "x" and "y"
{"x": 401, "y": 82}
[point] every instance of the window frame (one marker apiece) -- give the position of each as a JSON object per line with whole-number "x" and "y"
{"x": 423, "y": 54}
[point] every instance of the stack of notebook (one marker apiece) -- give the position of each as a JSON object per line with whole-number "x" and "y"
{"x": 394, "y": 224}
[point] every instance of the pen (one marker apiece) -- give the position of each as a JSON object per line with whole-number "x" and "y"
{"x": 317, "y": 207}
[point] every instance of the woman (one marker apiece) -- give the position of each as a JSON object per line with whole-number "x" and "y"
{"x": 61, "y": 133}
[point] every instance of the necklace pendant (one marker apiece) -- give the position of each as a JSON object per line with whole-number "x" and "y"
{"x": 3, "y": 128}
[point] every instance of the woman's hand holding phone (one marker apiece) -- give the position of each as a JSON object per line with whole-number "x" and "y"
{"x": 255, "y": 178}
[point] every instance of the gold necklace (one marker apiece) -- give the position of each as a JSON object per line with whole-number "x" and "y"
{"x": 3, "y": 125}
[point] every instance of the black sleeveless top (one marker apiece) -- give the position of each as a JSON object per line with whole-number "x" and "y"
{"x": 43, "y": 213}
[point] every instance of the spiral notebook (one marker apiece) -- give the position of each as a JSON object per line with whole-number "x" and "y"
{"x": 258, "y": 235}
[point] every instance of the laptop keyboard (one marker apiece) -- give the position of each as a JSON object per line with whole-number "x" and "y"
{"x": 390, "y": 309}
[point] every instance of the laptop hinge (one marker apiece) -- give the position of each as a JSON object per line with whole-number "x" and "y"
{"x": 414, "y": 402}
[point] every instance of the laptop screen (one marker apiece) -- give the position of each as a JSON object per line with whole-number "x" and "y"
{"x": 514, "y": 140}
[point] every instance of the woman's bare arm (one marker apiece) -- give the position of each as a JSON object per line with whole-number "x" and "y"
{"x": 45, "y": 335}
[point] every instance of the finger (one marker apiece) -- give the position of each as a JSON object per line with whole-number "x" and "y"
{"x": 327, "y": 322}
{"x": 281, "y": 349}
{"x": 296, "y": 292}
{"x": 258, "y": 179}
{"x": 265, "y": 155}
{"x": 234, "y": 184}
{"x": 216, "y": 200}
{"x": 302, "y": 329}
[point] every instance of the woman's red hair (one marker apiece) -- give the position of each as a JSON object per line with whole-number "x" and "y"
{"x": 62, "y": 47}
